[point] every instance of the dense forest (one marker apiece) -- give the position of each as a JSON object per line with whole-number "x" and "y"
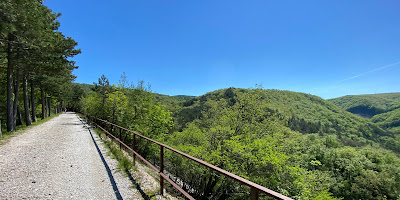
{"x": 369, "y": 105}
{"x": 381, "y": 109}
{"x": 35, "y": 65}
{"x": 297, "y": 144}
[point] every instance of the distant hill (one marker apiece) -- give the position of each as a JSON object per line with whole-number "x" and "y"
{"x": 382, "y": 109}
{"x": 86, "y": 87}
{"x": 388, "y": 120}
{"x": 172, "y": 103}
{"x": 163, "y": 99}
{"x": 259, "y": 133}
{"x": 300, "y": 112}
{"x": 368, "y": 105}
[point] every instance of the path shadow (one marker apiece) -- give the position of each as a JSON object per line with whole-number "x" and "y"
{"x": 110, "y": 176}
{"x": 71, "y": 124}
{"x": 133, "y": 181}
{"x": 142, "y": 193}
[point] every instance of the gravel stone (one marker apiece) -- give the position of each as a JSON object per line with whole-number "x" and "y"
{"x": 60, "y": 159}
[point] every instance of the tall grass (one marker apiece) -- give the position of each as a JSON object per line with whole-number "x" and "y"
{"x": 124, "y": 163}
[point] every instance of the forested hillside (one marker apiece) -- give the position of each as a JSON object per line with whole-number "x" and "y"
{"x": 334, "y": 147}
{"x": 388, "y": 120}
{"x": 297, "y": 144}
{"x": 381, "y": 109}
{"x": 368, "y": 105}
{"x": 173, "y": 103}
{"x": 35, "y": 65}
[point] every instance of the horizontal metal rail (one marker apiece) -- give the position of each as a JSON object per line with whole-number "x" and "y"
{"x": 147, "y": 162}
{"x": 255, "y": 189}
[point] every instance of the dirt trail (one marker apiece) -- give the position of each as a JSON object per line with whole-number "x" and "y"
{"x": 60, "y": 159}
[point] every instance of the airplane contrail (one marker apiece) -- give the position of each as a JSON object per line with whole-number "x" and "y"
{"x": 362, "y": 74}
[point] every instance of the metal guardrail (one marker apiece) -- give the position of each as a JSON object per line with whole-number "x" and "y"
{"x": 255, "y": 189}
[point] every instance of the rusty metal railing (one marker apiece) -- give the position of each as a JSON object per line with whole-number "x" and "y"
{"x": 255, "y": 189}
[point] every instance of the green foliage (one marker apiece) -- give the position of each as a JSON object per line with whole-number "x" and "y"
{"x": 133, "y": 108}
{"x": 71, "y": 95}
{"x": 388, "y": 120}
{"x": 92, "y": 104}
{"x": 124, "y": 163}
{"x": 172, "y": 103}
{"x": 35, "y": 53}
{"x": 368, "y": 105}
{"x": 297, "y": 144}
{"x": 255, "y": 134}
{"x": 382, "y": 109}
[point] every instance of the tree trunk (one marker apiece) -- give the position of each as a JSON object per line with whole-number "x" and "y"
{"x": 26, "y": 101}
{"x": 43, "y": 103}
{"x": 19, "y": 116}
{"x": 33, "y": 102}
{"x": 49, "y": 104}
{"x": 16, "y": 97}
{"x": 10, "y": 72}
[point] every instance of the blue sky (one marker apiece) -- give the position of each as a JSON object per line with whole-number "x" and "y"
{"x": 195, "y": 47}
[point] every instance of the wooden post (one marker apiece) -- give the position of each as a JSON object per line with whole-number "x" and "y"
{"x": 253, "y": 194}
{"x": 161, "y": 170}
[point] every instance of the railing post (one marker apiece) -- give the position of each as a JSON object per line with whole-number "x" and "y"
{"x": 120, "y": 133}
{"x": 253, "y": 194}
{"x": 97, "y": 126}
{"x": 161, "y": 170}
{"x": 134, "y": 148}
{"x": 110, "y": 129}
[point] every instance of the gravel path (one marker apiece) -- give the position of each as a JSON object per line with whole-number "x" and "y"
{"x": 60, "y": 160}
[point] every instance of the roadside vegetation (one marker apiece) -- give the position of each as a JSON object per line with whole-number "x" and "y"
{"x": 297, "y": 144}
